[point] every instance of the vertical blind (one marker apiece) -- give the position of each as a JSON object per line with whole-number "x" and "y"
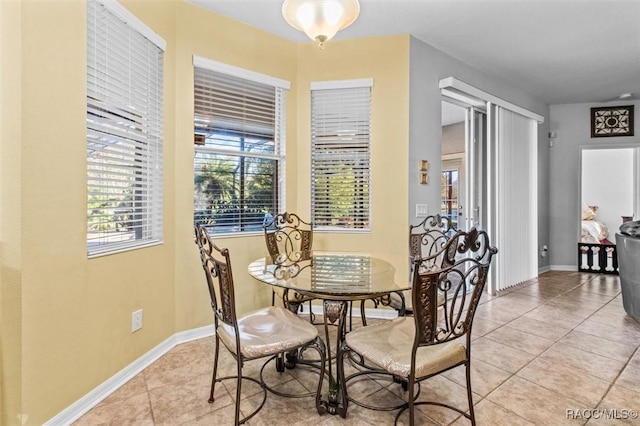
{"x": 239, "y": 151}
{"x": 516, "y": 198}
{"x": 341, "y": 154}
{"x": 124, "y": 131}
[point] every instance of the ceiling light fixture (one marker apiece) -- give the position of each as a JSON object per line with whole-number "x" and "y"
{"x": 320, "y": 19}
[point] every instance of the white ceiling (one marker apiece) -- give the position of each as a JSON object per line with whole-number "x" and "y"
{"x": 561, "y": 51}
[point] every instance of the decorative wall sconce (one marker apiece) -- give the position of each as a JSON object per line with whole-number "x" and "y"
{"x": 424, "y": 172}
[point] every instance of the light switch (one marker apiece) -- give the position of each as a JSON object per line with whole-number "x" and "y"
{"x": 422, "y": 210}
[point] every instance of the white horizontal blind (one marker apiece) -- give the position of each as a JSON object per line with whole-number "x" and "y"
{"x": 124, "y": 134}
{"x": 239, "y": 151}
{"x": 341, "y": 156}
{"x": 516, "y": 198}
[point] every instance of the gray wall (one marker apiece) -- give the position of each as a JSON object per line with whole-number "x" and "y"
{"x": 427, "y": 67}
{"x": 572, "y": 125}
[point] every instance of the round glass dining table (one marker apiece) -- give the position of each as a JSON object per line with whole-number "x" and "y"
{"x": 337, "y": 278}
{"x": 331, "y": 275}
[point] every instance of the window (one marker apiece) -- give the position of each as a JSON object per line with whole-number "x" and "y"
{"x": 341, "y": 154}
{"x": 449, "y": 207}
{"x": 239, "y": 164}
{"x": 124, "y": 130}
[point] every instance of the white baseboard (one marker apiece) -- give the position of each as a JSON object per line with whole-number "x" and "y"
{"x": 544, "y": 269}
{"x": 90, "y": 400}
{"x": 572, "y": 268}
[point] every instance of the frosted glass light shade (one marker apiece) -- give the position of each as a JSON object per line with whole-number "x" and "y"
{"x": 320, "y": 19}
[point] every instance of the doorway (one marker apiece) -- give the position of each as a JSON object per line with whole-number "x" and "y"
{"x": 463, "y": 166}
{"x": 609, "y": 191}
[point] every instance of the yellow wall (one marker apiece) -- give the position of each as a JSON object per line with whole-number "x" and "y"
{"x": 73, "y": 314}
{"x": 10, "y": 213}
{"x": 386, "y": 60}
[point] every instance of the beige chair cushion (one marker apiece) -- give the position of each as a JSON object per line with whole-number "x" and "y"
{"x": 267, "y": 332}
{"x": 389, "y": 345}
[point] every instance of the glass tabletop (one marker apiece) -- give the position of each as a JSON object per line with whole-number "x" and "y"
{"x": 330, "y": 275}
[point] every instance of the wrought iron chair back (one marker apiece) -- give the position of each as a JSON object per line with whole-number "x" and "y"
{"x": 289, "y": 238}
{"x": 217, "y": 268}
{"x": 466, "y": 259}
{"x": 427, "y": 242}
{"x": 427, "y": 239}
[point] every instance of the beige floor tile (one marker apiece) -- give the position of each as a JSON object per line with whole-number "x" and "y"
{"x": 544, "y": 293}
{"x": 580, "y": 293}
{"x": 575, "y": 303}
{"x": 593, "y": 364}
{"x": 565, "y": 380}
{"x": 484, "y": 377}
{"x": 590, "y": 343}
{"x": 499, "y": 355}
{"x": 441, "y": 389}
{"x": 624, "y": 401}
{"x": 624, "y": 333}
{"x": 495, "y": 311}
{"x": 132, "y": 411}
{"x": 609, "y": 286}
{"x": 539, "y": 328}
{"x": 480, "y": 328}
{"x": 136, "y": 386}
{"x": 524, "y": 301}
{"x": 534, "y": 403}
{"x": 187, "y": 401}
{"x": 556, "y": 314}
{"x": 520, "y": 340}
{"x": 635, "y": 359}
{"x": 630, "y": 378}
{"x": 615, "y": 316}
{"x": 489, "y": 413}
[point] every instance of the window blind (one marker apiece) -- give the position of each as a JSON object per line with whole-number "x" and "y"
{"x": 341, "y": 155}
{"x": 239, "y": 150}
{"x": 516, "y": 198}
{"x": 124, "y": 131}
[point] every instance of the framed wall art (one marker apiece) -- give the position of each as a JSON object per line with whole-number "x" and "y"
{"x": 612, "y": 121}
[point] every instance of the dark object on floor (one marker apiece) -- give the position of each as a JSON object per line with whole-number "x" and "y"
{"x": 628, "y": 245}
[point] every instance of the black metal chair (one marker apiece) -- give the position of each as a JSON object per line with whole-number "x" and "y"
{"x": 266, "y": 333}
{"x": 415, "y": 348}
{"x": 289, "y": 240}
{"x": 426, "y": 241}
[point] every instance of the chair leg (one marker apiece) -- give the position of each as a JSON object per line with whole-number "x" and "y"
{"x": 411, "y": 386}
{"x": 469, "y": 394}
{"x": 363, "y": 315}
{"x": 215, "y": 370}
{"x": 322, "y": 350}
{"x": 273, "y": 298}
{"x": 238, "y": 390}
{"x": 312, "y": 316}
{"x": 344, "y": 400}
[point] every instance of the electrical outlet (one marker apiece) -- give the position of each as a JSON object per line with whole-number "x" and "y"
{"x": 136, "y": 320}
{"x": 422, "y": 210}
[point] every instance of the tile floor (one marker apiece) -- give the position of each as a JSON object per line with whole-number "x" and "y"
{"x": 558, "y": 344}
